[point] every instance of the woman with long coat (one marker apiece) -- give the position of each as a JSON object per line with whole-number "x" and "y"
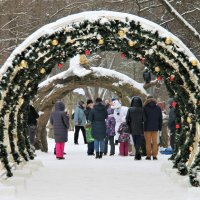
{"x": 134, "y": 119}
{"x": 97, "y": 118}
{"x": 60, "y": 123}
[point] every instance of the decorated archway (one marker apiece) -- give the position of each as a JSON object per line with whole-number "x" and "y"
{"x": 85, "y": 33}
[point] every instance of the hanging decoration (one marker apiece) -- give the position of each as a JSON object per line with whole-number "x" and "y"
{"x": 60, "y": 65}
{"x": 122, "y": 55}
{"x": 54, "y": 42}
{"x": 87, "y": 52}
{"x": 157, "y": 69}
{"x": 42, "y": 71}
{"x": 101, "y": 41}
{"x": 168, "y": 41}
{"x": 132, "y": 43}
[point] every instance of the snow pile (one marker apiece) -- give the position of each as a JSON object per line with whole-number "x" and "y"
{"x": 80, "y": 91}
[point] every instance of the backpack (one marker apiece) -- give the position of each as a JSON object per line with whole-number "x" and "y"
{"x": 110, "y": 126}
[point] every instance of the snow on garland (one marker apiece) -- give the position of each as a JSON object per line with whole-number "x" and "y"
{"x": 86, "y": 33}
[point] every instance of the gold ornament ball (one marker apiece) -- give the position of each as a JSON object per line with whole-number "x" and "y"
{"x": 71, "y": 41}
{"x": 83, "y": 59}
{"x": 194, "y": 62}
{"x": 21, "y": 101}
{"x": 54, "y": 42}
{"x": 23, "y": 64}
{"x": 121, "y": 33}
{"x": 132, "y": 43}
{"x": 42, "y": 71}
{"x": 157, "y": 69}
{"x": 189, "y": 120}
{"x": 101, "y": 41}
{"x": 168, "y": 40}
{"x": 190, "y": 148}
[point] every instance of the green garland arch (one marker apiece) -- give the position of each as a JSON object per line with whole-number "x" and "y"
{"x": 163, "y": 57}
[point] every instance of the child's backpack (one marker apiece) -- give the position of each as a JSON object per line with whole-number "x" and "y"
{"x": 110, "y": 126}
{"x": 123, "y": 128}
{"x": 124, "y": 132}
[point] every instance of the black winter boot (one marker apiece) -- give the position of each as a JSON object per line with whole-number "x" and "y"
{"x": 138, "y": 156}
{"x": 97, "y": 155}
{"x": 101, "y": 154}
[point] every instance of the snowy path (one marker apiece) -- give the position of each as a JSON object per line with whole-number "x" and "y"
{"x": 80, "y": 177}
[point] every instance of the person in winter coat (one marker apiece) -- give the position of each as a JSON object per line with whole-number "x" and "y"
{"x": 134, "y": 119}
{"x": 152, "y": 124}
{"x": 146, "y": 75}
{"x": 124, "y": 138}
{"x": 32, "y": 124}
{"x": 172, "y": 125}
{"x": 110, "y": 132}
{"x": 90, "y": 140}
{"x": 60, "y": 122}
{"x": 80, "y": 121}
{"x": 97, "y": 118}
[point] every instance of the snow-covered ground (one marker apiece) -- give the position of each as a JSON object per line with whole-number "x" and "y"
{"x": 80, "y": 177}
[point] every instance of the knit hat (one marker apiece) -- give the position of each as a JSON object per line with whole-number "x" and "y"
{"x": 89, "y": 101}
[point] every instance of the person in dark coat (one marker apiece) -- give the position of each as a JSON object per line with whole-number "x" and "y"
{"x": 152, "y": 124}
{"x": 134, "y": 119}
{"x": 32, "y": 124}
{"x": 97, "y": 118}
{"x": 172, "y": 125}
{"x": 147, "y": 75}
{"x": 60, "y": 122}
{"x": 90, "y": 146}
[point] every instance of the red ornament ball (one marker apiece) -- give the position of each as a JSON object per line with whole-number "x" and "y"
{"x": 142, "y": 60}
{"x": 177, "y": 126}
{"x": 159, "y": 78}
{"x": 60, "y": 65}
{"x": 87, "y": 52}
{"x": 123, "y": 55}
{"x": 174, "y": 104}
{"x": 171, "y": 78}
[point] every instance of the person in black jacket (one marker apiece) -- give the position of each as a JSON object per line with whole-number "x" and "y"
{"x": 134, "y": 119}
{"x": 152, "y": 124}
{"x": 32, "y": 124}
{"x": 146, "y": 75}
{"x": 97, "y": 118}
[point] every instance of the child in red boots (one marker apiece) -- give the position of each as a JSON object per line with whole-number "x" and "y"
{"x": 124, "y": 139}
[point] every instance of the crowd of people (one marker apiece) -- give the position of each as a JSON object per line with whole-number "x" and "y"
{"x": 136, "y": 128}
{"x": 98, "y": 121}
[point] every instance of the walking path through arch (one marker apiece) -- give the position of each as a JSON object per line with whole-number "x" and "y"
{"x": 80, "y": 177}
